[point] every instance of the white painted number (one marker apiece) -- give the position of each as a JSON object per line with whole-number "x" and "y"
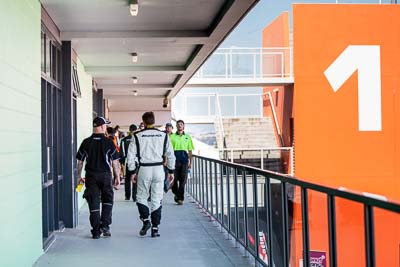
{"x": 366, "y": 60}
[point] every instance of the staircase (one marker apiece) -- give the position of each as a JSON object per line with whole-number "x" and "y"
{"x": 247, "y": 133}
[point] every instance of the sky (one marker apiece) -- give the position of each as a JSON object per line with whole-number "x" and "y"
{"x": 248, "y": 32}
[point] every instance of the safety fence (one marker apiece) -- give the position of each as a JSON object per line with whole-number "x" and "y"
{"x": 283, "y": 221}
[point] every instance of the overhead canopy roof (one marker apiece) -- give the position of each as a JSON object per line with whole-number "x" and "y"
{"x": 172, "y": 38}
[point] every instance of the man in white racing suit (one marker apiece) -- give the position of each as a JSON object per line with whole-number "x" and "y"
{"x": 150, "y": 147}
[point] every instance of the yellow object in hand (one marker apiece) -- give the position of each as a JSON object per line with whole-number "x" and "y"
{"x": 79, "y": 188}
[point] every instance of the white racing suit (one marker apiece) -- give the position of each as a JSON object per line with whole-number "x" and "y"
{"x": 149, "y": 148}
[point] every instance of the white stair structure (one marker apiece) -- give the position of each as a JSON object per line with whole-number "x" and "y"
{"x": 249, "y": 134}
{"x": 250, "y": 141}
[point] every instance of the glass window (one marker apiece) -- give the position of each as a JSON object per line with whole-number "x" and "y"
{"x": 227, "y": 105}
{"x": 216, "y": 66}
{"x": 59, "y": 66}
{"x": 212, "y": 105}
{"x": 178, "y": 104}
{"x": 197, "y": 106}
{"x": 43, "y": 38}
{"x": 248, "y": 105}
{"x": 54, "y": 62}
{"x": 243, "y": 65}
{"x": 48, "y": 55}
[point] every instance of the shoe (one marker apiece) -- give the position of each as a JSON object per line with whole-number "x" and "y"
{"x": 105, "y": 232}
{"x": 154, "y": 232}
{"x": 146, "y": 226}
{"x": 134, "y": 199}
{"x": 95, "y": 234}
{"x": 149, "y": 199}
{"x": 180, "y": 202}
{"x": 176, "y": 199}
{"x": 127, "y": 198}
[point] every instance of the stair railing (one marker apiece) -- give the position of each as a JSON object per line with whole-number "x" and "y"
{"x": 219, "y": 122}
{"x": 278, "y": 129}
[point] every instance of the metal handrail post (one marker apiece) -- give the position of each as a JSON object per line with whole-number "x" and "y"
{"x": 305, "y": 228}
{"x": 228, "y": 200}
{"x": 211, "y": 191}
{"x": 202, "y": 183}
{"x": 246, "y": 240}
{"x": 235, "y": 184}
{"x": 285, "y": 225}
{"x": 206, "y": 185}
{"x": 216, "y": 190}
{"x": 332, "y": 231}
{"x": 268, "y": 206}
{"x": 196, "y": 176}
{"x": 255, "y": 207}
{"x": 369, "y": 235}
{"x": 222, "y": 194}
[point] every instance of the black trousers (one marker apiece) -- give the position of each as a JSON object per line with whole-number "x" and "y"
{"x": 155, "y": 215}
{"x": 166, "y": 180}
{"x": 99, "y": 188}
{"x": 129, "y": 187}
{"x": 178, "y": 188}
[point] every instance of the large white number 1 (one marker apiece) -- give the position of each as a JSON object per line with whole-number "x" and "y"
{"x": 365, "y": 59}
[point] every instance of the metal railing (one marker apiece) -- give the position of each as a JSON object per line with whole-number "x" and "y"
{"x": 255, "y": 208}
{"x": 261, "y": 153}
{"x": 247, "y": 62}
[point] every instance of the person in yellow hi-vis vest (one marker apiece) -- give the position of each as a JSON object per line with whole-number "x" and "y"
{"x": 183, "y": 145}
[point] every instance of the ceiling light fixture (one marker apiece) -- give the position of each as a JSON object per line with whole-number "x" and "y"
{"x": 133, "y": 7}
{"x": 134, "y": 57}
{"x": 134, "y": 80}
{"x": 135, "y": 92}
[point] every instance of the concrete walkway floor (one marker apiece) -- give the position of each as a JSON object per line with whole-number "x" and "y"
{"x": 187, "y": 239}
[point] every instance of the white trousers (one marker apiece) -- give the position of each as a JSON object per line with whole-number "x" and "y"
{"x": 150, "y": 178}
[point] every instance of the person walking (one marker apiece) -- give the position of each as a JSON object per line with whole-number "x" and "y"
{"x": 168, "y": 130}
{"x": 130, "y": 188}
{"x": 149, "y": 148}
{"x": 110, "y": 134}
{"x": 183, "y": 145}
{"x": 101, "y": 158}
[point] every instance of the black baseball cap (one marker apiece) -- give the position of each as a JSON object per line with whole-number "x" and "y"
{"x": 132, "y": 127}
{"x": 98, "y": 121}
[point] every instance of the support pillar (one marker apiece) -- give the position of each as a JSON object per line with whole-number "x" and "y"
{"x": 69, "y": 197}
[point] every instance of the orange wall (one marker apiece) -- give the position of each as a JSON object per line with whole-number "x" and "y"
{"x": 330, "y": 149}
{"x": 276, "y": 34}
